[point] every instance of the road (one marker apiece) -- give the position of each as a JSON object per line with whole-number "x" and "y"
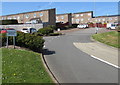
{"x": 71, "y": 65}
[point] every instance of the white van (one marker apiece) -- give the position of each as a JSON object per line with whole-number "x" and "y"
{"x": 111, "y": 26}
{"x": 28, "y": 30}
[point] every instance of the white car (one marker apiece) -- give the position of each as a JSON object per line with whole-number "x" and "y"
{"x": 82, "y": 26}
{"x": 28, "y": 30}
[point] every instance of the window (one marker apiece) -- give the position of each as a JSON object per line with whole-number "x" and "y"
{"x": 99, "y": 20}
{"x": 77, "y": 15}
{"x": 88, "y": 19}
{"x": 2, "y": 18}
{"x": 81, "y": 14}
{"x": 82, "y": 19}
{"x": 9, "y": 18}
{"x": 89, "y": 14}
{"x": 18, "y": 17}
{"x": 62, "y": 17}
{"x": 103, "y": 19}
{"x": 56, "y": 18}
{"x": 26, "y": 16}
{"x": 14, "y": 17}
{"x": 110, "y": 18}
{"x": 72, "y": 19}
{"x": 41, "y": 14}
{"x": 34, "y": 14}
{"x": 77, "y": 20}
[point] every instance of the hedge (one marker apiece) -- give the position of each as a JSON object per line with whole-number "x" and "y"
{"x": 8, "y": 22}
{"x": 46, "y": 31}
{"x": 26, "y": 40}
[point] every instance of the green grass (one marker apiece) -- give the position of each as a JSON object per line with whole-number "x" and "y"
{"x": 109, "y": 38}
{"x": 22, "y": 66}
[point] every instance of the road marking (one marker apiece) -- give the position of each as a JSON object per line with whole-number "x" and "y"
{"x": 105, "y": 61}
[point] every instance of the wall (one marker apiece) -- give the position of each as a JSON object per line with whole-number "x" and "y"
{"x": 21, "y": 26}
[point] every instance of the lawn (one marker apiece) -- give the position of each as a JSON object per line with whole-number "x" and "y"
{"x": 22, "y": 66}
{"x": 109, "y": 38}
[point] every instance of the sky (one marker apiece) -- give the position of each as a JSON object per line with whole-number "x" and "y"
{"x": 98, "y": 8}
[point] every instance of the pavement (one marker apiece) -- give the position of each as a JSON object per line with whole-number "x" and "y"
{"x": 72, "y": 65}
{"x": 100, "y": 51}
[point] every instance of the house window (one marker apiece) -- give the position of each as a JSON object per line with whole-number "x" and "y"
{"x": 77, "y": 20}
{"x": 81, "y": 15}
{"x": 72, "y": 19}
{"x": 26, "y": 16}
{"x": 77, "y": 15}
{"x": 34, "y": 14}
{"x": 41, "y": 14}
{"x": 62, "y": 17}
{"x": 103, "y": 19}
{"x": 99, "y": 20}
{"x": 110, "y": 18}
{"x": 2, "y": 18}
{"x": 56, "y": 18}
{"x": 82, "y": 19}
{"x": 88, "y": 19}
{"x": 89, "y": 14}
{"x": 18, "y": 17}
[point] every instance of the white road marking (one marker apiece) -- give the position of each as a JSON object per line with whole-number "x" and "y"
{"x": 105, "y": 61}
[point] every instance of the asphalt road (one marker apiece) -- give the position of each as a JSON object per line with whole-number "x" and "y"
{"x": 71, "y": 65}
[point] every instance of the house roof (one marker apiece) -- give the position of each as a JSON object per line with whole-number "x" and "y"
{"x": 29, "y": 12}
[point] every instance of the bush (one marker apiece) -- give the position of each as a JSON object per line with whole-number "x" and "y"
{"x": 55, "y": 34}
{"x": 8, "y": 22}
{"x": 30, "y": 41}
{"x": 46, "y": 30}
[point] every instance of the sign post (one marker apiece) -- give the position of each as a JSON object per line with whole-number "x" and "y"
{"x": 11, "y": 32}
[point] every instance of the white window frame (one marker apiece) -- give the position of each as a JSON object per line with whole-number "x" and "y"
{"x": 89, "y": 14}
{"x": 81, "y": 14}
{"x": 77, "y": 15}
{"x": 82, "y": 19}
{"x": 34, "y": 15}
{"x": 41, "y": 14}
{"x": 62, "y": 17}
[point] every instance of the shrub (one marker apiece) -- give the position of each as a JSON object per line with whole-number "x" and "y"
{"x": 8, "y": 22}
{"x": 30, "y": 41}
{"x": 46, "y": 30}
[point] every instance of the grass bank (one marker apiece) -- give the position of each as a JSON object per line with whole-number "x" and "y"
{"x": 109, "y": 38}
{"x": 21, "y": 66}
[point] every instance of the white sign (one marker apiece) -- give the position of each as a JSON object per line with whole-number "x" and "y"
{"x": 11, "y": 33}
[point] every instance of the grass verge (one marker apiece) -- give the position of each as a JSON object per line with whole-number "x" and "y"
{"x": 22, "y": 66}
{"x": 109, "y": 38}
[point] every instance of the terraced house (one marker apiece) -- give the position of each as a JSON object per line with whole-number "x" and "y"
{"x": 82, "y": 17}
{"x": 47, "y": 17}
{"x": 106, "y": 19}
{"x": 65, "y": 18}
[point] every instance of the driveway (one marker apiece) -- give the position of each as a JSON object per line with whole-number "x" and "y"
{"x": 71, "y": 65}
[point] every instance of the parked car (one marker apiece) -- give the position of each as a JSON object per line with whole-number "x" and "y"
{"x": 82, "y": 26}
{"x": 2, "y": 30}
{"x": 28, "y": 30}
{"x": 111, "y": 26}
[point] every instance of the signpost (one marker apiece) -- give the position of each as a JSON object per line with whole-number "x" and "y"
{"x": 11, "y": 32}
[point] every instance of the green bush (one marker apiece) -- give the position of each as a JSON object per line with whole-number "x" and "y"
{"x": 30, "y": 41}
{"x": 8, "y": 22}
{"x": 46, "y": 30}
